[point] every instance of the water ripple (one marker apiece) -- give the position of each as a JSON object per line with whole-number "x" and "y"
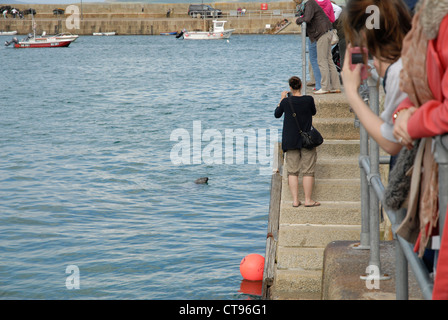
{"x": 86, "y": 177}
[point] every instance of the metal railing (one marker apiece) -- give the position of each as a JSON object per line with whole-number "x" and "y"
{"x": 372, "y": 193}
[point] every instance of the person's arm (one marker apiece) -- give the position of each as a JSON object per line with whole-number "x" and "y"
{"x": 279, "y": 110}
{"x": 431, "y": 118}
{"x": 401, "y": 117}
{"x": 308, "y": 14}
{"x": 313, "y": 107}
{"x": 371, "y": 122}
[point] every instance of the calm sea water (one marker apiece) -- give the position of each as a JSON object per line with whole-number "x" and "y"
{"x": 86, "y": 177}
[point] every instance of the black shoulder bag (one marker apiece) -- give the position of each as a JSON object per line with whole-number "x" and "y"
{"x": 310, "y": 139}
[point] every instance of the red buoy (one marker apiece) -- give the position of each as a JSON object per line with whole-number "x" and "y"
{"x": 252, "y": 267}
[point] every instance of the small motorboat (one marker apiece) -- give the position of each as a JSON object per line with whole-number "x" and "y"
{"x": 216, "y": 33}
{"x": 43, "y": 42}
{"x": 168, "y": 33}
{"x": 8, "y": 33}
{"x": 32, "y": 42}
{"x": 104, "y": 33}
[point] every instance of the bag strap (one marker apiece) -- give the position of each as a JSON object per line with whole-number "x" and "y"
{"x": 294, "y": 115}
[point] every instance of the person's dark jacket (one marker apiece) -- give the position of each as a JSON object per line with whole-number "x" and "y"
{"x": 317, "y": 22}
{"x": 305, "y": 109}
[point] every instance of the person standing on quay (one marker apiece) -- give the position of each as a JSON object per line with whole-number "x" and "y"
{"x": 298, "y": 158}
{"x": 319, "y": 29}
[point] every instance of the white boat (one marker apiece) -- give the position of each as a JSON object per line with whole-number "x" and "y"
{"x": 104, "y": 33}
{"x": 218, "y": 32}
{"x": 59, "y": 37}
{"x": 7, "y": 33}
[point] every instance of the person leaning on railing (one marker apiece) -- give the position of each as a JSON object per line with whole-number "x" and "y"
{"x": 425, "y": 112}
{"x": 384, "y": 44}
{"x": 319, "y": 30}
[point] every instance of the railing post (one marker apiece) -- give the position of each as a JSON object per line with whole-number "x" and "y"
{"x": 401, "y": 263}
{"x": 303, "y": 33}
{"x": 374, "y": 171}
{"x": 365, "y": 196}
{"x": 375, "y": 261}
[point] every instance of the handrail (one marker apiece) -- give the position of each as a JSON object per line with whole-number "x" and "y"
{"x": 371, "y": 181}
{"x": 304, "y": 63}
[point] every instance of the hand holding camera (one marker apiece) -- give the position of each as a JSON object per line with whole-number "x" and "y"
{"x": 285, "y": 94}
{"x": 358, "y": 56}
{"x": 355, "y": 69}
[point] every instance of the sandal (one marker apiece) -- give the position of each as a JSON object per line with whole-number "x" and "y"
{"x": 315, "y": 204}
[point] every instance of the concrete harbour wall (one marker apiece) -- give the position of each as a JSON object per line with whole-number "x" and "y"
{"x": 148, "y": 19}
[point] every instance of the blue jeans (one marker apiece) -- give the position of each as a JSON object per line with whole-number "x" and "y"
{"x": 314, "y": 65}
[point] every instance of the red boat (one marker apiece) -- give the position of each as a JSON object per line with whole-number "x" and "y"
{"x": 32, "y": 42}
{"x": 43, "y": 42}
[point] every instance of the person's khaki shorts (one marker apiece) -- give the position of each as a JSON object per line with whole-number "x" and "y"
{"x": 303, "y": 160}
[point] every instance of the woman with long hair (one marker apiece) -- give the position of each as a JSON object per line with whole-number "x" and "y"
{"x": 384, "y": 44}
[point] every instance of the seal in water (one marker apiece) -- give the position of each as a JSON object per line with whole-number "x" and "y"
{"x": 201, "y": 180}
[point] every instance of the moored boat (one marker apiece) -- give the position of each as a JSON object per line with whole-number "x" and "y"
{"x": 104, "y": 33}
{"x": 31, "y": 42}
{"x": 8, "y": 33}
{"x": 43, "y": 42}
{"x": 168, "y": 33}
{"x": 216, "y": 33}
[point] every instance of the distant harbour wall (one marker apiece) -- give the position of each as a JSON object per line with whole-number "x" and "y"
{"x": 149, "y": 19}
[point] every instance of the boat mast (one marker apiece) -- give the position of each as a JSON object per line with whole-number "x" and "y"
{"x": 34, "y": 24}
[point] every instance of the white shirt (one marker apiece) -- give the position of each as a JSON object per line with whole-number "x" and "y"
{"x": 394, "y": 96}
{"x": 337, "y": 10}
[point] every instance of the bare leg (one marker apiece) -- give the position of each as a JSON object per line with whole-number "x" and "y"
{"x": 308, "y": 184}
{"x": 293, "y": 182}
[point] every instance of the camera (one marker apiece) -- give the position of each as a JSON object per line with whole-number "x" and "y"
{"x": 289, "y": 94}
{"x": 358, "y": 56}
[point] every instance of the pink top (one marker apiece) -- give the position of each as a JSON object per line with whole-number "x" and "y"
{"x": 328, "y": 9}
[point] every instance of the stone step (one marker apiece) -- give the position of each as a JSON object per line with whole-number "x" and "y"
{"x": 328, "y": 190}
{"x": 328, "y": 213}
{"x": 343, "y": 267}
{"x": 337, "y": 128}
{"x": 339, "y": 148}
{"x": 326, "y": 110}
{"x": 316, "y": 236}
{"x": 298, "y": 285}
{"x": 298, "y": 259}
{"x": 337, "y": 168}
